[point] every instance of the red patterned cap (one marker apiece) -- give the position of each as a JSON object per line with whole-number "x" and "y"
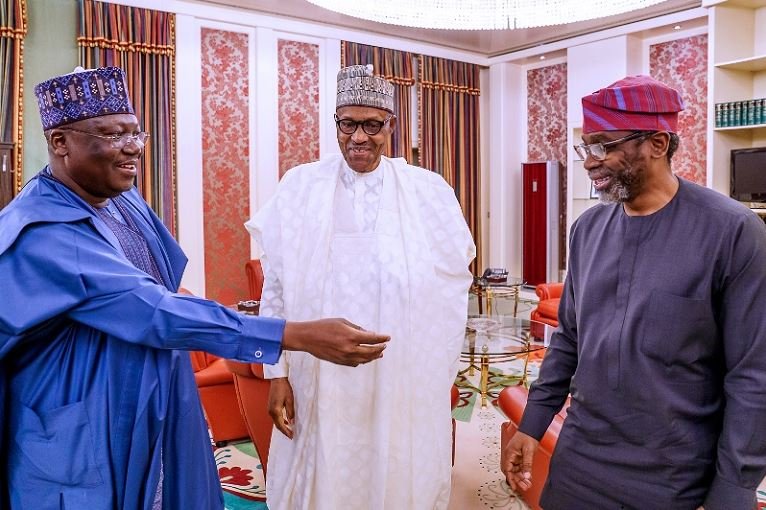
{"x": 635, "y": 103}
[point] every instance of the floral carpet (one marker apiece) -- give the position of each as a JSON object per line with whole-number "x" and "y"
{"x": 477, "y": 482}
{"x": 241, "y": 474}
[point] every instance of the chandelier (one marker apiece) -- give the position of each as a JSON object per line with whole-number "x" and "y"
{"x": 481, "y": 14}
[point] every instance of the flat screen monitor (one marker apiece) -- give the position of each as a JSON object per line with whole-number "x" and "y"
{"x": 748, "y": 174}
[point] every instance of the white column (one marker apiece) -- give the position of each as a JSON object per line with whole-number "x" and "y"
{"x": 189, "y": 151}
{"x": 264, "y": 119}
{"x": 507, "y": 138}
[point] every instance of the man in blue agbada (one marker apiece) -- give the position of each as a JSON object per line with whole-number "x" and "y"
{"x": 99, "y": 405}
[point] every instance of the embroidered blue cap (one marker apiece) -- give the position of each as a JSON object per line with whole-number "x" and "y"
{"x": 82, "y": 94}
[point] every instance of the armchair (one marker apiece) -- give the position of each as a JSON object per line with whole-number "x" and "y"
{"x": 252, "y": 391}
{"x": 512, "y": 401}
{"x": 547, "y": 308}
{"x": 219, "y": 399}
{"x": 251, "y": 388}
{"x": 216, "y": 392}
{"x": 254, "y": 273}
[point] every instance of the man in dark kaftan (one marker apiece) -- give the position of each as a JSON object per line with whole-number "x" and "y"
{"x": 98, "y": 410}
{"x": 662, "y": 330}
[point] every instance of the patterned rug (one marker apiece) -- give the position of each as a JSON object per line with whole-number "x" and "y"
{"x": 477, "y": 482}
{"x": 241, "y": 474}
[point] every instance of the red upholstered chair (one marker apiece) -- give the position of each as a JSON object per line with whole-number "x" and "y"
{"x": 512, "y": 401}
{"x": 254, "y": 274}
{"x": 253, "y": 397}
{"x": 219, "y": 398}
{"x": 547, "y": 311}
{"x": 251, "y": 388}
{"x": 216, "y": 391}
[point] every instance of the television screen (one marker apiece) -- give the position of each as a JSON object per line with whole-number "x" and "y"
{"x": 748, "y": 174}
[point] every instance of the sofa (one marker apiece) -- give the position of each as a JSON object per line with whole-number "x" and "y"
{"x": 547, "y": 310}
{"x": 512, "y": 401}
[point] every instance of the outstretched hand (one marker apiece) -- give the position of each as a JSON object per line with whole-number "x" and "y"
{"x": 335, "y": 340}
{"x": 517, "y": 465}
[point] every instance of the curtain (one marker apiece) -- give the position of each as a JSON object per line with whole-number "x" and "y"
{"x": 448, "y": 128}
{"x": 142, "y": 43}
{"x": 13, "y": 28}
{"x": 396, "y": 67}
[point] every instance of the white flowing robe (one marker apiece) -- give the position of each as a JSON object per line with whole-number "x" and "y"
{"x": 390, "y": 252}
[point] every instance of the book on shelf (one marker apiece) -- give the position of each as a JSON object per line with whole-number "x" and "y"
{"x": 750, "y": 112}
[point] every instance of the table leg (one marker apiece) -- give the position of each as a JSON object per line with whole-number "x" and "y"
{"x": 515, "y": 301}
{"x": 490, "y": 302}
{"x": 471, "y": 360}
{"x": 484, "y": 379}
{"x": 524, "y": 375}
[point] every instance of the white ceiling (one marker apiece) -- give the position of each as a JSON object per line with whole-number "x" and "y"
{"x": 489, "y": 43}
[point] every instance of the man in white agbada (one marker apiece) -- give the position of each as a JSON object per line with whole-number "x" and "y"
{"x": 384, "y": 244}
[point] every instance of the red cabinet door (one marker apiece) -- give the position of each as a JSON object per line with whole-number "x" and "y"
{"x": 535, "y": 222}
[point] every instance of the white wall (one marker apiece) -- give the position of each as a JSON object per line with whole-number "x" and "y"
{"x": 593, "y": 61}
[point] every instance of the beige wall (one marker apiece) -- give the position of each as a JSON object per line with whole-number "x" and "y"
{"x": 50, "y": 49}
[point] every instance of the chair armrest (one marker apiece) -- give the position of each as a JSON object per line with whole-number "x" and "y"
{"x": 549, "y": 290}
{"x": 513, "y": 401}
{"x": 252, "y": 370}
{"x": 254, "y": 273}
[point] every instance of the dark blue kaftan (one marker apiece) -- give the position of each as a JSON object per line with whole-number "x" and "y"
{"x": 93, "y": 392}
{"x": 662, "y": 337}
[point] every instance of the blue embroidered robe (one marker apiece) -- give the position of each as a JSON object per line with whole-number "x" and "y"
{"x": 95, "y": 396}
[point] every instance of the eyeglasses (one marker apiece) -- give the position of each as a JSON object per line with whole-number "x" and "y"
{"x": 117, "y": 141}
{"x": 369, "y": 126}
{"x": 598, "y": 151}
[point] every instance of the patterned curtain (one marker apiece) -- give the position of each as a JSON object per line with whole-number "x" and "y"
{"x": 448, "y": 96}
{"x": 13, "y": 28}
{"x": 395, "y": 66}
{"x": 142, "y": 42}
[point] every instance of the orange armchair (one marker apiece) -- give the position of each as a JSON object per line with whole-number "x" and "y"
{"x": 254, "y": 273}
{"x": 219, "y": 398}
{"x": 216, "y": 392}
{"x": 253, "y": 396}
{"x": 512, "y": 401}
{"x": 251, "y": 388}
{"x": 547, "y": 309}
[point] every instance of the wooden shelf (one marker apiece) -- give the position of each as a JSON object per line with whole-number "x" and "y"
{"x": 741, "y": 128}
{"x": 753, "y": 64}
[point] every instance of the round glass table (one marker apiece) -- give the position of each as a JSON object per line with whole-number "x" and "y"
{"x": 487, "y": 293}
{"x": 492, "y": 339}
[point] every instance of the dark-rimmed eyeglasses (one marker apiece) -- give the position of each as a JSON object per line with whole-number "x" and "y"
{"x": 369, "y": 126}
{"x": 117, "y": 141}
{"x": 599, "y": 150}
